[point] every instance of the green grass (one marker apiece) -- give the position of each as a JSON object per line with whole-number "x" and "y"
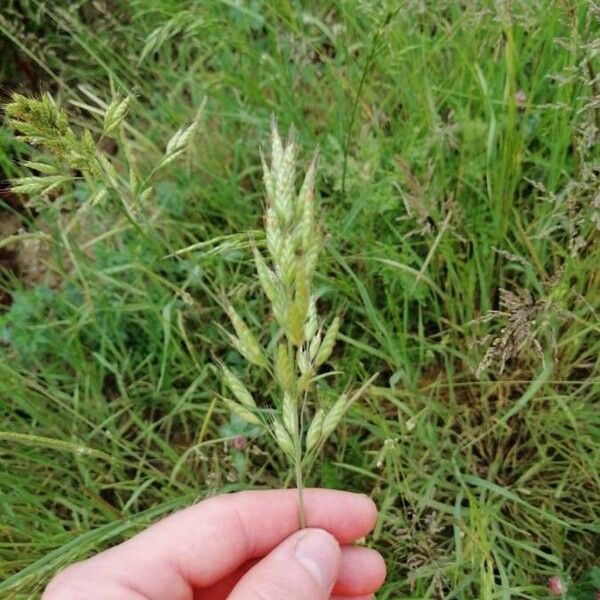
{"x": 438, "y": 189}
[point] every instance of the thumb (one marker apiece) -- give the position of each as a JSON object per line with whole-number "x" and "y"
{"x": 303, "y": 567}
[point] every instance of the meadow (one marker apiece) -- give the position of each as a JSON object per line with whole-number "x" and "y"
{"x": 458, "y": 191}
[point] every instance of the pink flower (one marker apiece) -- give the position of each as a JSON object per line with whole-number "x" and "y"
{"x": 239, "y": 442}
{"x": 556, "y": 586}
{"x": 520, "y": 98}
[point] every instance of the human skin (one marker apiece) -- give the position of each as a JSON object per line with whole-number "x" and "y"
{"x": 243, "y": 546}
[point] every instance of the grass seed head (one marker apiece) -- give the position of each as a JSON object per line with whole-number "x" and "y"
{"x": 289, "y": 413}
{"x": 283, "y": 439}
{"x": 242, "y": 412}
{"x": 276, "y": 147}
{"x": 266, "y": 277}
{"x": 267, "y": 179}
{"x": 328, "y": 343}
{"x": 314, "y": 345}
{"x": 273, "y": 235}
{"x": 306, "y": 206}
{"x": 303, "y": 360}
{"x": 311, "y": 257}
{"x": 284, "y": 368}
{"x": 315, "y": 430}
{"x": 286, "y": 262}
{"x": 299, "y": 309}
{"x": 305, "y": 380}
{"x": 312, "y": 321}
{"x": 334, "y": 415}
{"x": 238, "y": 389}
{"x": 247, "y": 344}
{"x": 284, "y": 189}
{"x": 115, "y": 113}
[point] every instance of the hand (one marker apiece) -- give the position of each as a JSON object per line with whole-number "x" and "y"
{"x": 243, "y": 546}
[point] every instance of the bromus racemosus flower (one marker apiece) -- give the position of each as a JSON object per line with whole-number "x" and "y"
{"x": 303, "y": 342}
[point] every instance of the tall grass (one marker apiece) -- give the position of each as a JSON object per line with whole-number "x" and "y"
{"x": 458, "y": 179}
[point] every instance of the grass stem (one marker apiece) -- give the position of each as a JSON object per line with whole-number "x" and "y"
{"x": 300, "y": 485}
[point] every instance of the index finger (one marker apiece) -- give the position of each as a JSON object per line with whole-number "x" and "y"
{"x": 196, "y": 547}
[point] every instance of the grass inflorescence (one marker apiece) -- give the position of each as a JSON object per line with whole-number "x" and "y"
{"x": 302, "y": 342}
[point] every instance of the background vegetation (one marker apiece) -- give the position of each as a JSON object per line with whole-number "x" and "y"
{"x": 459, "y": 192}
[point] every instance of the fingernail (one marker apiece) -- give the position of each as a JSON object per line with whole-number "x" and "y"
{"x": 319, "y": 553}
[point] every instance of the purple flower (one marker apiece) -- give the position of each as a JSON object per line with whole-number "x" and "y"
{"x": 520, "y": 98}
{"x": 239, "y": 442}
{"x": 556, "y": 586}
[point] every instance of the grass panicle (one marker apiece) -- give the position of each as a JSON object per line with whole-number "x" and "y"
{"x": 293, "y": 239}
